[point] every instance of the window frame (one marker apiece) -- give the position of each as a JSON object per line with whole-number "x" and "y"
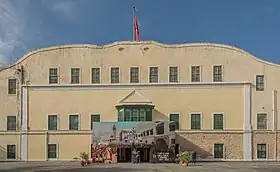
{"x": 266, "y": 120}
{"x": 178, "y": 73}
{"x": 201, "y": 119}
{"x": 213, "y": 120}
{"x": 200, "y": 73}
{"x": 57, "y": 75}
{"x": 213, "y": 72}
{"x": 175, "y": 113}
{"x": 110, "y": 74}
{"x": 91, "y": 74}
{"x": 57, "y": 153}
{"x": 257, "y": 83}
{"x": 223, "y": 157}
{"x": 71, "y": 77}
{"x": 266, "y": 150}
{"x": 7, "y": 157}
{"x": 16, "y": 87}
{"x": 94, "y": 114}
{"x": 79, "y": 121}
{"x": 130, "y": 74}
{"x": 149, "y": 75}
{"x": 7, "y": 123}
{"x": 57, "y": 122}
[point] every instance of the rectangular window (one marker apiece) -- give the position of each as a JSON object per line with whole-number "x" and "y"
{"x": 219, "y": 151}
{"x": 260, "y": 83}
{"x": 73, "y": 122}
{"x": 195, "y": 74}
{"x": 153, "y": 75}
{"x": 95, "y": 75}
{"x": 94, "y": 118}
{"x": 11, "y": 123}
{"x": 218, "y": 73}
{"x": 75, "y": 75}
{"x": 12, "y": 86}
{"x": 176, "y": 118}
{"x": 173, "y": 74}
{"x": 115, "y": 75}
{"x": 134, "y": 75}
{"x": 261, "y": 151}
{"x": 218, "y": 121}
{"x": 52, "y": 151}
{"x": 53, "y": 76}
{"x": 262, "y": 121}
{"x": 195, "y": 121}
{"x": 11, "y": 151}
{"x": 52, "y": 122}
{"x": 135, "y": 115}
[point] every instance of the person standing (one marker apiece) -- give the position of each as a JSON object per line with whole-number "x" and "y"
{"x": 138, "y": 157}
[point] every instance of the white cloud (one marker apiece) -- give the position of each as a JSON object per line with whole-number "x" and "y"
{"x": 12, "y": 25}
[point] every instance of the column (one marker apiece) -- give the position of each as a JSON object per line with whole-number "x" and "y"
{"x": 247, "y": 126}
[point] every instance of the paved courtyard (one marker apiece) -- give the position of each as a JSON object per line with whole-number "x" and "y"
{"x": 199, "y": 167}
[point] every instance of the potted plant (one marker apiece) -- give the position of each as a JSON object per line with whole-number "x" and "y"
{"x": 84, "y": 158}
{"x": 184, "y": 158}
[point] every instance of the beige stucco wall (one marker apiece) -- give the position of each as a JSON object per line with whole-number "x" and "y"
{"x": 238, "y": 66}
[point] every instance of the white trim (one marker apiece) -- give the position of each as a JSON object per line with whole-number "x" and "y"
{"x": 58, "y": 122}
{"x": 224, "y": 151}
{"x": 100, "y": 74}
{"x": 260, "y": 113}
{"x": 58, "y": 75}
{"x": 139, "y": 74}
{"x": 179, "y": 117}
{"x": 247, "y": 125}
{"x": 224, "y": 124}
{"x": 223, "y": 75}
{"x": 149, "y": 71}
{"x": 190, "y": 120}
{"x": 266, "y": 147}
{"x": 120, "y": 80}
{"x": 200, "y": 72}
{"x": 178, "y": 73}
{"x": 79, "y": 121}
{"x": 57, "y": 152}
{"x": 24, "y": 126}
{"x": 80, "y": 75}
{"x": 16, "y": 152}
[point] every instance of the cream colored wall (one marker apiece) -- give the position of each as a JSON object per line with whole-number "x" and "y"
{"x": 85, "y": 102}
{"x": 9, "y": 138}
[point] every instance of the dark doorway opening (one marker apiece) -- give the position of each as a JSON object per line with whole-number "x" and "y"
{"x": 124, "y": 154}
{"x": 177, "y": 149}
{"x": 144, "y": 154}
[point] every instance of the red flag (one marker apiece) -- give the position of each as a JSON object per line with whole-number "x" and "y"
{"x": 136, "y": 27}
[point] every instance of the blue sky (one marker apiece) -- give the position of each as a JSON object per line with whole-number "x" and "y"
{"x": 253, "y": 25}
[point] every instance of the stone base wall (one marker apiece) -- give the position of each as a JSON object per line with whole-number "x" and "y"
{"x": 203, "y": 143}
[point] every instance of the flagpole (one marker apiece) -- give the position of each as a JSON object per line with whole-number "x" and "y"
{"x": 133, "y": 29}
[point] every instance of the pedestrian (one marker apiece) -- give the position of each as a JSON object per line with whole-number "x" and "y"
{"x": 194, "y": 157}
{"x": 138, "y": 157}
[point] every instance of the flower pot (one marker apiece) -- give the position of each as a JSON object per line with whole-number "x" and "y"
{"x": 184, "y": 164}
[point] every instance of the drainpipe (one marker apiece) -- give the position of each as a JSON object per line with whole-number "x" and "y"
{"x": 275, "y": 120}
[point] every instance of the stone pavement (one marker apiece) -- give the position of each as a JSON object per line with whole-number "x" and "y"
{"x": 57, "y": 166}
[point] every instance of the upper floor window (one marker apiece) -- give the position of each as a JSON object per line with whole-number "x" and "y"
{"x": 175, "y": 117}
{"x": 95, "y": 75}
{"x": 94, "y": 118}
{"x": 53, "y": 76}
{"x": 260, "y": 83}
{"x": 12, "y": 86}
{"x": 153, "y": 75}
{"x": 75, "y": 75}
{"x": 11, "y": 123}
{"x": 134, "y": 75}
{"x": 195, "y": 121}
{"x": 115, "y": 75}
{"x": 195, "y": 74}
{"x": 74, "y": 122}
{"x": 173, "y": 74}
{"x": 52, "y": 122}
{"x": 262, "y": 121}
{"x": 218, "y": 120}
{"x": 218, "y": 73}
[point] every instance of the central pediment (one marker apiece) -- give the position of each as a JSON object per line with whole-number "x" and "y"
{"x": 134, "y": 98}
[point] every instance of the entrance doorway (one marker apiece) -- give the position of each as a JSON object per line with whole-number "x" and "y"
{"x": 124, "y": 154}
{"x": 144, "y": 154}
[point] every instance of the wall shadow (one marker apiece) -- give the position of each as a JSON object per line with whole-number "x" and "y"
{"x": 159, "y": 116}
{"x": 187, "y": 145}
{"x": 3, "y": 153}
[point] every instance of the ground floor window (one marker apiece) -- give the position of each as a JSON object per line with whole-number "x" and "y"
{"x": 52, "y": 151}
{"x": 11, "y": 151}
{"x": 134, "y": 114}
{"x": 219, "y": 151}
{"x": 261, "y": 151}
